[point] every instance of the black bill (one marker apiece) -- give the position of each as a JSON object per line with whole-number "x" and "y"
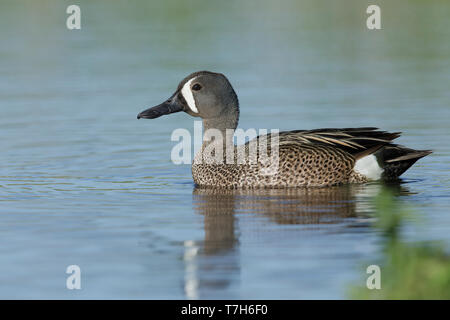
{"x": 172, "y": 105}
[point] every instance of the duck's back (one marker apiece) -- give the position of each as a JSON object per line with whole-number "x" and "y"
{"x": 313, "y": 158}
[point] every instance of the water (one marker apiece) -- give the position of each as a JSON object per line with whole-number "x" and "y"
{"x": 83, "y": 182}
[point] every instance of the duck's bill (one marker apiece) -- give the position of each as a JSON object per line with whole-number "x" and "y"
{"x": 170, "y": 106}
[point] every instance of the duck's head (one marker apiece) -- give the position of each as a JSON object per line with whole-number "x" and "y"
{"x": 202, "y": 94}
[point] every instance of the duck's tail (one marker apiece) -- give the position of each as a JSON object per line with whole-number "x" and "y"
{"x": 396, "y": 159}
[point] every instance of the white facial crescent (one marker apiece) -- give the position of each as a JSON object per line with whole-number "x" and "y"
{"x": 187, "y": 94}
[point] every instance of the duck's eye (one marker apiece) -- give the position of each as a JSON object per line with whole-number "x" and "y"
{"x": 196, "y": 87}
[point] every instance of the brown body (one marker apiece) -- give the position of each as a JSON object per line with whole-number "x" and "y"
{"x": 315, "y": 158}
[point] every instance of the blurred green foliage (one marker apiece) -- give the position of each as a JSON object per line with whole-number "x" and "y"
{"x": 418, "y": 270}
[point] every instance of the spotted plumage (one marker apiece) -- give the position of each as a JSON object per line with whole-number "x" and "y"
{"x": 304, "y": 158}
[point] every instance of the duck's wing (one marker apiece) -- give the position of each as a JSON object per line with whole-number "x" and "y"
{"x": 356, "y": 141}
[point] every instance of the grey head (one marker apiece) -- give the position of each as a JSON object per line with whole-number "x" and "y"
{"x": 204, "y": 94}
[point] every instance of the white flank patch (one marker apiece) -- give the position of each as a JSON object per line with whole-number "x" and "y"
{"x": 187, "y": 94}
{"x": 368, "y": 167}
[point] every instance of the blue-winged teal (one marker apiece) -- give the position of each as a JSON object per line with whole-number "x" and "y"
{"x": 320, "y": 157}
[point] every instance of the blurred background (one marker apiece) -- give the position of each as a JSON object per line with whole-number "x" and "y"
{"x": 83, "y": 182}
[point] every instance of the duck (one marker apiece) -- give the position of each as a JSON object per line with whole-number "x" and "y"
{"x": 299, "y": 158}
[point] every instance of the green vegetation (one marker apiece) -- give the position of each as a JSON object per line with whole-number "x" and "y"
{"x": 419, "y": 270}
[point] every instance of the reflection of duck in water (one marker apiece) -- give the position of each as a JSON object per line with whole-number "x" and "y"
{"x": 287, "y": 206}
{"x": 214, "y": 264}
{"x": 321, "y": 157}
